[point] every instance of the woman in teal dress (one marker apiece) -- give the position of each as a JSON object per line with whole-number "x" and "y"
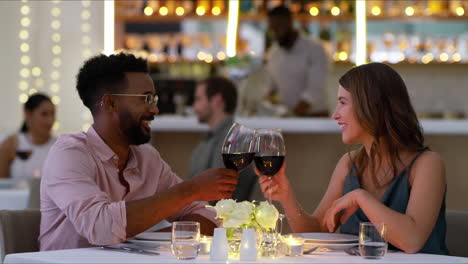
{"x": 393, "y": 178}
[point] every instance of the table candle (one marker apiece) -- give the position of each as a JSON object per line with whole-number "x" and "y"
{"x": 205, "y": 245}
{"x": 294, "y": 246}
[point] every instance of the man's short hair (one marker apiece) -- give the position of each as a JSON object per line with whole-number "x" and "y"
{"x": 226, "y": 88}
{"x": 280, "y": 11}
{"x": 105, "y": 74}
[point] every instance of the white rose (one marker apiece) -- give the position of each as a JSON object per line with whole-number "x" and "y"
{"x": 266, "y": 215}
{"x": 224, "y": 208}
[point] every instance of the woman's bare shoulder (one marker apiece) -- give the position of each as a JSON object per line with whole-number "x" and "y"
{"x": 8, "y": 146}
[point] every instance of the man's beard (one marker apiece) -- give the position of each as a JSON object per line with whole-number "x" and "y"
{"x": 132, "y": 129}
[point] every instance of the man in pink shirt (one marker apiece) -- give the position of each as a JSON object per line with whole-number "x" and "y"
{"x": 103, "y": 186}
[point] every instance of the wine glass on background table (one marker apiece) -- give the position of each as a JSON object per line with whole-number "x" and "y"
{"x": 270, "y": 152}
{"x": 239, "y": 147}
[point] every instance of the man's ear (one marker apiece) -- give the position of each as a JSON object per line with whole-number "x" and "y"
{"x": 217, "y": 99}
{"x": 108, "y": 103}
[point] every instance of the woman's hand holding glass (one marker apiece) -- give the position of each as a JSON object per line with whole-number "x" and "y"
{"x": 278, "y": 186}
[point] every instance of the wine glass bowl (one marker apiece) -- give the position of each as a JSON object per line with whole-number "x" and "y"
{"x": 270, "y": 151}
{"x": 238, "y": 148}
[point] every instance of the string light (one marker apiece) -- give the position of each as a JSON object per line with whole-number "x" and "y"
{"x": 148, "y": 11}
{"x": 55, "y": 73}
{"x": 216, "y": 11}
{"x": 314, "y": 11}
{"x": 409, "y": 11}
{"x": 200, "y": 10}
{"x": 163, "y": 11}
{"x": 180, "y": 11}
{"x": 25, "y": 59}
{"x": 335, "y": 11}
{"x": 376, "y": 11}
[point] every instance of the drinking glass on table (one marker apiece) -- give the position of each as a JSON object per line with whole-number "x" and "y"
{"x": 372, "y": 240}
{"x": 185, "y": 239}
{"x": 270, "y": 152}
{"x": 238, "y": 148}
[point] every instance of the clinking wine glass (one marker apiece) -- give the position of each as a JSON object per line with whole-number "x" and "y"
{"x": 270, "y": 152}
{"x": 238, "y": 148}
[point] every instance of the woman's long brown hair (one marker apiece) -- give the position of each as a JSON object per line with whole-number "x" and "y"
{"x": 383, "y": 108}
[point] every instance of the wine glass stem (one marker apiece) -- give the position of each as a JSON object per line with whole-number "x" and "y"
{"x": 269, "y": 191}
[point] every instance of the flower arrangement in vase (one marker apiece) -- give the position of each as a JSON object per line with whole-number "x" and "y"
{"x": 235, "y": 216}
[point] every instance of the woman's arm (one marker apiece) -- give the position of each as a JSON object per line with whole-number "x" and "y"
{"x": 299, "y": 220}
{"x": 7, "y": 155}
{"x": 408, "y": 231}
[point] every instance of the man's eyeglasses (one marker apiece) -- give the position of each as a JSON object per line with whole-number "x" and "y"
{"x": 150, "y": 99}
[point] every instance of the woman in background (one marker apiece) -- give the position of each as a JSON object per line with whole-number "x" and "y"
{"x": 22, "y": 154}
{"x": 392, "y": 178}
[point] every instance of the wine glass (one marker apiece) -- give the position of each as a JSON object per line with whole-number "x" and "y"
{"x": 238, "y": 148}
{"x": 270, "y": 152}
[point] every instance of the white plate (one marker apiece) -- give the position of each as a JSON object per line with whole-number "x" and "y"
{"x": 155, "y": 236}
{"x": 333, "y": 247}
{"x": 328, "y": 238}
{"x": 148, "y": 244}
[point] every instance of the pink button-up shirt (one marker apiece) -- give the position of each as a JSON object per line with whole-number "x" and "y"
{"x": 82, "y": 199}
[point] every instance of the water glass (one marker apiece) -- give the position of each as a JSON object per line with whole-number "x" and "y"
{"x": 185, "y": 239}
{"x": 372, "y": 240}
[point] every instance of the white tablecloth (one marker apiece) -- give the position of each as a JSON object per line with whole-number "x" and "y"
{"x": 97, "y": 255}
{"x": 14, "y": 199}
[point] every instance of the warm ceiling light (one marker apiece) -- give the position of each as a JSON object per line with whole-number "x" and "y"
{"x": 314, "y": 11}
{"x": 200, "y": 10}
{"x": 443, "y": 57}
{"x": 216, "y": 11}
{"x": 460, "y": 11}
{"x": 180, "y": 11}
{"x": 221, "y": 55}
{"x": 335, "y": 11}
{"x": 148, "y": 10}
{"x": 376, "y": 11}
{"x": 456, "y": 57}
{"x": 163, "y": 11}
{"x": 409, "y": 11}
{"x": 343, "y": 56}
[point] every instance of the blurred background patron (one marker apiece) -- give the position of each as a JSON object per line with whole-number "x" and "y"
{"x": 22, "y": 154}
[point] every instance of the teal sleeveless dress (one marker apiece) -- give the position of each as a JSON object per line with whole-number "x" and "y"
{"x": 396, "y": 197}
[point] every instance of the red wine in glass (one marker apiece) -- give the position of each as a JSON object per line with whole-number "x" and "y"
{"x": 238, "y": 161}
{"x": 23, "y": 155}
{"x": 269, "y": 165}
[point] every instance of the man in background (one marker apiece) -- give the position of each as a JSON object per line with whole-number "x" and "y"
{"x": 214, "y": 103}
{"x": 297, "y": 67}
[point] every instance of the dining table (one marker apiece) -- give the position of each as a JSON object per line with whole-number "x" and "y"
{"x": 102, "y": 255}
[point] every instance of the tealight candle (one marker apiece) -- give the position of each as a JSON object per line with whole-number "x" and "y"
{"x": 294, "y": 246}
{"x": 205, "y": 245}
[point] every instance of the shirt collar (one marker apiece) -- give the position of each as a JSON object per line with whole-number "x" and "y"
{"x": 103, "y": 151}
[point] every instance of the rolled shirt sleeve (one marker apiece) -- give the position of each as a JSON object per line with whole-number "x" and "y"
{"x": 71, "y": 185}
{"x": 169, "y": 179}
